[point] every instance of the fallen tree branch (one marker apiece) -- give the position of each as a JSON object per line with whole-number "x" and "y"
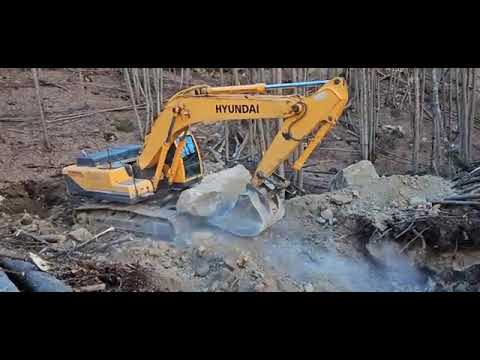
{"x": 72, "y": 117}
{"x": 418, "y": 235}
{"x": 83, "y": 244}
{"x": 454, "y": 202}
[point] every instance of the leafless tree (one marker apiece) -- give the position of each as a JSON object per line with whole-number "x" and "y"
{"x": 46, "y": 141}
{"x": 134, "y": 102}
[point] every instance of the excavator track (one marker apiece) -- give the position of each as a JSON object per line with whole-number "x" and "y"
{"x": 154, "y": 218}
{"x": 252, "y": 213}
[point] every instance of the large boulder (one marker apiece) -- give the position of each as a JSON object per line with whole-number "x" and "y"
{"x": 216, "y": 194}
{"x": 358, "y": 174}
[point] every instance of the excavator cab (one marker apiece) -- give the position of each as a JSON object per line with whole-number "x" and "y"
{"x": 191, "y": 168}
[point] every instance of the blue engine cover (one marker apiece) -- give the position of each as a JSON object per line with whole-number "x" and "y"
{"x": 109, "y": 155}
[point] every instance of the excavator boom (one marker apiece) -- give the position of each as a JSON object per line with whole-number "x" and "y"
{"x": 301, "y": 115}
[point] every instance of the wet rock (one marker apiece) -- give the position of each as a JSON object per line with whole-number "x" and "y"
{"x": 229, "y": 263}
{"x": 202, "y": 268}
{"x": 203, "y": 237}
{"x": 53, "y": 238}
{"x": 81, "y": 234}
{"x": 327, "y": 214}
{"x": 260, "y": 287}
{"x": 216, "y": 193}
{"x": 26, "y": 219}
{"x": 341, "y": 198}
{"x": 44, "y": 227}
{"x": 242, "y": 261}
{"x": 308, "y": 287}
{"x": 417, "y": 200}
{"x": 201, "y": 251}
{"x": 124, "y": 125}
{"x": 358, "y": 174}
{"x": 321, "y": 220}
{"x": 5, "y": 284}
{"x": 81, "y": 218}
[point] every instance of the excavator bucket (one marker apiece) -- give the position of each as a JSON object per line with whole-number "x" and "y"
{"x": 253, "y": 213}
{"x": 229, "y": 201}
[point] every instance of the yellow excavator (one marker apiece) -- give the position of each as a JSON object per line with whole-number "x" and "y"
{"x": 134, "y": 187}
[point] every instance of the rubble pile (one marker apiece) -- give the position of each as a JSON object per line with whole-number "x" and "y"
{"x": 359, "y": 191}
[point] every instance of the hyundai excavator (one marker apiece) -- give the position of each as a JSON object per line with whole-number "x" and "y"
{"x": 135, "y": 187}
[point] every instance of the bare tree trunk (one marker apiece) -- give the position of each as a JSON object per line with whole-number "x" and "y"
{"x": 416, "y": 121}
{"x": 136, "y": 85}
{"x": 188, "y": 76}
{"x": 147, "y": 99}
{"x": 222, "y": 78}
{"x": 371, "y": 110}
{"x": 281, "y": 169}
{"x": 156, "y": 85}
{"x": 236, "y": 77}
{"x": 46, "y": 141}
{"x": 302, "y": 143}
{"x": 227, "y": 125}
{"x": 82, "y": 85}
{"x": 268, "y": 127}
{"x": 471, "y": 120}
{"x": 364, "y": 115}
{"x": 450, "y": 104}
{"x": 134, "y": 103}
{"x": 161, "y": 88}
{"x": 181, "y": 78}
{"x": 437, "y": 124}
{"x": 296, "y": 153}
{"x": 261, "y": 127}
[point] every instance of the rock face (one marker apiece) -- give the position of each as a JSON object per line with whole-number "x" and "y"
{"x": 361, "y": 173}
{"x": 216, "y": 194}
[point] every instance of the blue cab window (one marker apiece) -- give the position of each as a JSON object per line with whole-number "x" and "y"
{"x": 189, "y": 147}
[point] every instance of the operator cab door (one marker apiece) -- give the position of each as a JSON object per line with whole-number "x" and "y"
{"x": 191, "y": 166}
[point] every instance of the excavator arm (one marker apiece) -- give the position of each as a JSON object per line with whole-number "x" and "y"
{"x": 302, "y": 116}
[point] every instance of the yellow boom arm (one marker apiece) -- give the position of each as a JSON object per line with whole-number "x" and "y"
{"x": 313, "y": 115}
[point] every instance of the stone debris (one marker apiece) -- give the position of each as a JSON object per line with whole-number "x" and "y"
{"x": 341, "y": 198}
{"x": 26, "y": 219}
{"x": 81, "y": 234}
{"x": 327, "y": 214}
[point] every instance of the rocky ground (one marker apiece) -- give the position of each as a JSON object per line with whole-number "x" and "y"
{"x": 354, "y": 238}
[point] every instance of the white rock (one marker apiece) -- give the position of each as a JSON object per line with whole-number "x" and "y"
{"x": 216, "y": 193}
{"x": 308, "y": 287}
{"x": 80, "y": 234}
{"x": 327, "y": 214}
{"x": 358, "y": 174}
